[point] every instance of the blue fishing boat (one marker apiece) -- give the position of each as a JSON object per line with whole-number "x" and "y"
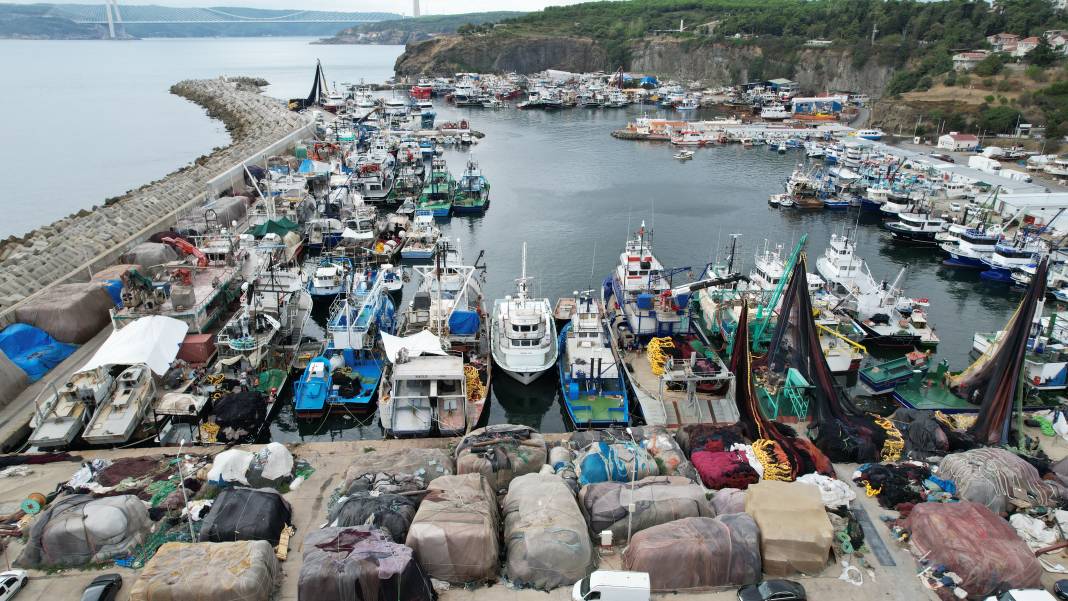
{"x": 834, "y": 203}
{"x": 330, "y": 278}
{"x": 968, "y": 248}
{"x": 1008, "y": 255}
{"x": 312, "y": 389}
{"x": 591, "y": 380}
{"x": 352, "y": 361}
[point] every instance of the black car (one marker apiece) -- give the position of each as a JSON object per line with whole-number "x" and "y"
{"x": 773, "y": 590}
{"x": 103, "y": 588}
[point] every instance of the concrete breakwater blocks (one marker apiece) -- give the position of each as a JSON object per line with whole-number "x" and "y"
{"x": 45, "y": 255}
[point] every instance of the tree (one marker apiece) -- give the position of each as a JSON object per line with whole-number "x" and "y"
{"x": 1036, "y": 73}
{"x": 990, "y": 65}
{"x": 999, "y": 119}
{"x": 1042, "y": 55}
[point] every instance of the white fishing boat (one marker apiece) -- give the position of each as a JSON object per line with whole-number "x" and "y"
{"x": 117, "y": 418}
{"x": 61, "y": 418}
{"x": 523, "y": 333}
{"x": 422, "y": 238}
{"x": 683, "y": 155}
{"x": 839, "y": 265}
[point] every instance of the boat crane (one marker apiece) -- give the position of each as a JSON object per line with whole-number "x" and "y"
{"x": 762, "y": 322}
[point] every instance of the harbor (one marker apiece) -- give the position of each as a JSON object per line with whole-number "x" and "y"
{"x": 476, "y": 310}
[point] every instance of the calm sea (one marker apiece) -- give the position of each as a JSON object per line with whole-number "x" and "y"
{"x": 95, "y": 119}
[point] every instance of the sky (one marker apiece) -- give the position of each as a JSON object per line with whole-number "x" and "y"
{"x": 436, "y": 7}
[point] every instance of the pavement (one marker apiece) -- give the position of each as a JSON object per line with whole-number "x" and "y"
{"x": 896, "y": 582}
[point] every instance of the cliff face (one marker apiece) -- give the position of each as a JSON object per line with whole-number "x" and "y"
{"x": 816, "y": 69}
{"x": 388, "y": 36}
{"x": 523, "y": 54}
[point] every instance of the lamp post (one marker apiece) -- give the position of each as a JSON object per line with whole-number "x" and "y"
{"x": 185, "y": 497}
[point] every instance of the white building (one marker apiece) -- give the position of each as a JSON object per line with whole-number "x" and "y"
{"x": 958, "y": 142}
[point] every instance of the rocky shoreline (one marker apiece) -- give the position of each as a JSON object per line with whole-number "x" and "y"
{"x": 43, "y": 256}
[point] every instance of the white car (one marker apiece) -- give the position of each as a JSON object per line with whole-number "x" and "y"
{"x": 955, "y": 206}
{"x": 11, "y": 582}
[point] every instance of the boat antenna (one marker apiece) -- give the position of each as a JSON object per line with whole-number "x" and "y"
{"x": 730, "y": 258}
{"x": 593, "y": 266}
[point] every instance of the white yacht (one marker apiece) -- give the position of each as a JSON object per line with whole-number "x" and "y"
{"x": 839, "y": 265}
{"x": 774, "y": 112}
{"x": 523, "y": 333}
{"x": 117, "y": 418}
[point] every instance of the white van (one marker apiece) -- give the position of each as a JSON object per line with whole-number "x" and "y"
{"x": 606, "y": 585}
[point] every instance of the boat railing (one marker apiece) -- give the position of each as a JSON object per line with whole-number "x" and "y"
{"x": 695, "y": 368}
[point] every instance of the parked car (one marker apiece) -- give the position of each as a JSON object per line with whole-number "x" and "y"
{"x": 773, "y": 590}
{"x": 1019, "y": 594}
{"x": 954, "y": 206}
{"x": 103, "y": 588}
{"x": 11, "y": 582}
{"x": 942, "y": 157}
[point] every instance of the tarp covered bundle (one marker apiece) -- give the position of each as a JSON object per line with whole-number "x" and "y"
{"x": 13, "y": 380}
{"x": 281, "y": 227}
{"x": 923, "y": 434}
{"x": 32, "y": 349}
{"x": 992, "y": 380}
{"x": 214, "y": 214}
{"x": 617, "y": 462}
{"x": 657, "y": 500}
{"x": 669, "y": 456}
{"x": 78, "y": 529}
{"x": 454, "y": 534}
{"x": 500, "y": 453}
{"x": 795, "y": 533}
{"x": 843, "y": 431}
{"x": 240, "y": 571}
{"x": 392, "y": 513}
{"x": 976, "y": 544}
{"x": 71, "y": 313}
{"x": 359, "y": 564}
{"x": 153, "y": 340}
{"x": 407, "y": 470}
{"x": 246, "y": 514}
{"x": 150, "y": 254}
{"x": 694, "y": 553}
{"x": 729, "y": 500}
{"x": 548, "y": 545}
{"x": 989, "y": 476}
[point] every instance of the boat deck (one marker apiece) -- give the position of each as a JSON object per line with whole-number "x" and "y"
{"x": 932, "y": 398}
{"x": 565, "y": 308}
{"x": 670, "y": 407}
{"x": 601, "y": 409}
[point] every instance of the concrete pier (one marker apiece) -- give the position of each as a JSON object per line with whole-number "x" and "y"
{"x": 72, "y": 248}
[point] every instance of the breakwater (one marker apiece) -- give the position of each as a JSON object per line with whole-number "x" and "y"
{"x": 71, "y": 248}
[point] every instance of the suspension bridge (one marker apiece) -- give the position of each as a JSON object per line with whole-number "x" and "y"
{"x": 111, "y": 15}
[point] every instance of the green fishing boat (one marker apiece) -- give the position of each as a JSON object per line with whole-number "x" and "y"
{"x": 473, "y": 197}
{"x": 440, "y": 190}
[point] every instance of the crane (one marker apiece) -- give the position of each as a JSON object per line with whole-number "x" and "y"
{"x": 762, "y": 322}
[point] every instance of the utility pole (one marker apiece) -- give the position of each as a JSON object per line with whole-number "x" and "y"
{"x": 874, "y": 30}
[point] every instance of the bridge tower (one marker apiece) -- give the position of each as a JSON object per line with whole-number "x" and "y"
{"x": 111, "y": 7}
{"x": 415, "y": 8}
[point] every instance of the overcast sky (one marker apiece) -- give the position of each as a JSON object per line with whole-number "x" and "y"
{"x": 435, "y": 7}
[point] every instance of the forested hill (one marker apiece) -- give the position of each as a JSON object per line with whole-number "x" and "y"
{"x": 403, "y": 31}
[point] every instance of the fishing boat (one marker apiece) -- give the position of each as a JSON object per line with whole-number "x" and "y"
{"x": 674, "y": 374}
{"x": 473, "y": 194}
{"x": 523, "y": 333}
{"x": 330, "y": 277}
{"x": 439, "y": 372}
{"x": 118, "y": 417}
{"x": 591, "y": 379}
{"x": 881, "y": 378}
{"x": 347, "y": 375}
{"x": 683, "y": 155}
{"x": 774, "y": 112}
{"x": 1024, "y": 249}
{"x": 970, "y": 247}
{"x": 439, "y": 191}
{"x": 916, "y": 229}
{"x": 60, "y": 419}
{"x": 870, "y": 134}
{"x": 423, "y": 237}
{"x": 839, "y": 265}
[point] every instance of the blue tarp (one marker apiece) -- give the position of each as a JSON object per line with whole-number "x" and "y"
{"x": 310, "y": 166}
{"x": 601, "y": 463}
{"x": 33, "y": 350}
{"x": 114, "y": 288}
{"x": 649, "y": 81}
{"x": 463, "y": 323}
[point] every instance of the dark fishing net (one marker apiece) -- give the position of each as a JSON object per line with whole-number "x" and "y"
{"x": 996, "y": 379}
{"x": 843, "y": 431}
{"x": 895, "y": 484}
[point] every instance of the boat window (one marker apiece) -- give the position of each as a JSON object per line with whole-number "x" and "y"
{"x": 413, "y": 388}
{"x": 448, "y": 387}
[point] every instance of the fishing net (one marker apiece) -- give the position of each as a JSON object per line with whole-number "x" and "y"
{"x": 992, "y": 381}
{"x": 78, "y": 529}
{"x": 669, "y": 457}
{"x": 971, "y": 541}
{"x": 240, "y": 414}
{"x": 359, "y": 564}
{"x": 389, "y": 512}
{"x": 657, "y": 500}
{"x": 992, "y": 476}
{"x": 698, "y": 552}
{"x": 729, "y": 500}
{"x": 501, "y": 452}
{"x": 407, "y": 470}
{"x": 725, "y": 469}
{"x": 454, "y": 533}
{"x": 894, "y": 484}
{"x": 795, "y": 534}
{"x": 711, "y": 437}
{"x": 922, "y": 433}
{"x": 235, "y": 571}
{"x": 843, "y": 432}
{"x": 618, "y": 462}
{"x": 548, "y": 544}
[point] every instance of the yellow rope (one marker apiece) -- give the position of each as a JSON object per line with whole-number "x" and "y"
{"x": 475, "y": 389}
{"x": 774, "y": 467}
{"x": 872, "y": 492}
{"x": 894, "y": 444}
{"x": 209, "y": 432}
{"x": 657, "y": 357}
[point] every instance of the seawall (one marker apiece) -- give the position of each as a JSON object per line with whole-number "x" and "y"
{"x": 72, "y": 248}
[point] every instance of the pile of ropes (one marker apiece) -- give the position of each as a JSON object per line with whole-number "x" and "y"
{"x": 657, "y": 354}
{"x": 894, "y": 443}
{"x": 475, "y": 389}
{"x": 773, "y": 457}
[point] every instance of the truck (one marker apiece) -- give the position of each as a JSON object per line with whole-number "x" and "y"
{"x": 609, "y": 585}
{"x": 984, "y": 164}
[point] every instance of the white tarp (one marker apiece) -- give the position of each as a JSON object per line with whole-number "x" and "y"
{"x": 423, "y": 343}
{"x": 152, "y": 340}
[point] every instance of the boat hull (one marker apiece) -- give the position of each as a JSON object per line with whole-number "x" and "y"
{"x": 964, "y": 262}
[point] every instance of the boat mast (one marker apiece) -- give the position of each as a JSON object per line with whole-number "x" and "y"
{"x": 521, "y": 283}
